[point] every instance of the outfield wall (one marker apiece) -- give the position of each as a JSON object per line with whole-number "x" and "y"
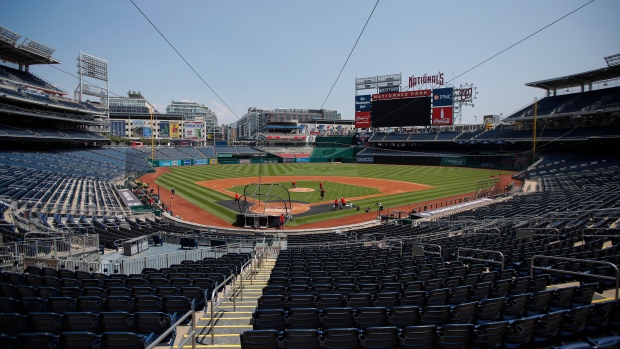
{"x": 504, "y": 162}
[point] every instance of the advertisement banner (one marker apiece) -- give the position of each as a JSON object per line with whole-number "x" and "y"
{"x": 165, "y": 163}
{"x": 128, "y": 198}
{"x": 223, "y": 155}
{"x": 362, "y": 119}
{"x": 212, "y": 161}
{"x": 147, "y": 132}
{"x": 442, "y": 116}
{"x": 288, "y": 160}
{"x": 302, "y": 159}
{"x": 193, "y": 130}
{"x": 175, "y": 130}
{"x": 378, "y": 81}
{"x": 404, "y": 94}
{"x": 364, "y": 159}
{"x": 362, "y": 103}
{"x": 201, "y": 161}
{"x": 117, "y": 128}
{"x": 187, "y": 162}
{"x": 442, "y": 97}
{"x": 245, "y": 161}
{"x": 164, "y": 129}
{"x": 137, "y": 128}
{"x": 389, "y": 89}
{"x": 229, "y": 161}
{"x": 453, "y": 162}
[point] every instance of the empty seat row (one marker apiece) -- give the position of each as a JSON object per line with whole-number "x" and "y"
{"x": 188, "y": 299}
{"x": 107, "y": 340}
{"x": 499, "y": 287}
{"x": 518, "y": 334}
{"x": 144, "y": 323}
{"x": 406, "y": 315}
{"x": 176, "y": 279}
{"x": 542, "y": 301}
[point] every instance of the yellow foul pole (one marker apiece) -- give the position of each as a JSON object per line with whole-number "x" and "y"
{"x": 534, "y": 135}
{"x": 152, "y": 139}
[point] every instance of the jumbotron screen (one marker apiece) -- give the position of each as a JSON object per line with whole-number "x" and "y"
{"x": 401, "y": 112}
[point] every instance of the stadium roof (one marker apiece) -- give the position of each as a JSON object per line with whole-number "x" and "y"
{"x": 578, "y": 79}
{"x": 27, "y": 53}
{"x": 18, "y": 55}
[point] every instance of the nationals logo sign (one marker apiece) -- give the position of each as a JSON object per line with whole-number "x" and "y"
{"x": 464, "y": 94}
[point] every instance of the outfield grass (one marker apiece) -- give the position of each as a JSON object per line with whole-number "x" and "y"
{"x": 447, "y": 181}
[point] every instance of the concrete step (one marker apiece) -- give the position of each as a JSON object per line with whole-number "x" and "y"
{"x": 228, "y": 324}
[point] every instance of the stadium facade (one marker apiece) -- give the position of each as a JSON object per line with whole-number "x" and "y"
{"x": 256, "y": 120}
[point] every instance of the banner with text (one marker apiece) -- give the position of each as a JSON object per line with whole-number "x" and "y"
{"x": 442, "y": 116}
{"x": 362, "y": 103}
{"x": 442, "y": 97}
{"x": 164, "y": 129}
{"x": 362, "y": 119}
{"x": 193, "y": 130}
{"x": 175, "y": 130}
{"x": 404, "y": 94}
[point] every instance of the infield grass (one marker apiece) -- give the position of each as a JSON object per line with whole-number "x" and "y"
{"x": 447, "y": 181}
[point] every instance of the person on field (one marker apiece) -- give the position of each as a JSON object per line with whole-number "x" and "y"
{"x": 343, "y": 202}
{"x": 321, "y": 185}
{"x": 294, "y": 184}
{"x": 322, "y": 193}
{"x": 172, "y": 191}
{"x": 236, "y": 198}
{"x": 336, "y": 204}
{"x": 281, "y": 220}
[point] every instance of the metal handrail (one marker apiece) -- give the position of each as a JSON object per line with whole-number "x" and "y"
{"x": 458, "y": 256}
{"x": 617, "y": 278}
{"x": 431, "y": 252}
{"x": 584, "y": 235}
{"x": 190, "y": 334}
{"x": 223, "y": 285}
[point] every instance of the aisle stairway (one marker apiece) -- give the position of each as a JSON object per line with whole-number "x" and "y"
{"x": 231, "y": 322}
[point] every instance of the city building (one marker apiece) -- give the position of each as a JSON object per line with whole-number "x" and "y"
{"x": 198, "y": 113}
{"x": 133, "y": 117}
{"x": 257, "y": 121}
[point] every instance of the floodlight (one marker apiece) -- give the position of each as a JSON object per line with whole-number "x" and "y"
{"x": 613, "y": 61}
{"x": 9, "y": 36}
{"x": 37, "y": 48}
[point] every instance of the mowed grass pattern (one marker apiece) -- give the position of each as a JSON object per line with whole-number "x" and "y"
{"x": 448, "y": 181}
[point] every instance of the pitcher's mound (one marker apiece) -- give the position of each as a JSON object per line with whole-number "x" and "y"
{"x": 301, "y": 190}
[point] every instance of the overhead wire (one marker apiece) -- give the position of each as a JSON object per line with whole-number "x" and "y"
{"x": 184, "y": 60}
{"x": 522, "y": 40}
{"x": 350, "y": 53}
{"x": 511, "y": 46}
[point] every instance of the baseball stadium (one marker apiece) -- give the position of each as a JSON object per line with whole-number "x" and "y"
{"x": 406, "y": 230}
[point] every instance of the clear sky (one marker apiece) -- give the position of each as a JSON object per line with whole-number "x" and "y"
{"x": 287, "y": 54}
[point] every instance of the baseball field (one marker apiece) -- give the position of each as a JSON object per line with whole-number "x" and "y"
{"x": 205, "y": 194}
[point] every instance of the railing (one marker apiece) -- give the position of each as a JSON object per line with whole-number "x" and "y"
{"x": 191, "y": 334}
{"x": 222, "y": 286}
{"x": 523, "y": 232}
{"x": 429, "y": 252}
{"x": 326, "y": 245}
{"x": 584, "y": 235}
{"x": 590, "y": 275}
{"x": 135, "y": 265}
{"x": 459, "y": 257}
